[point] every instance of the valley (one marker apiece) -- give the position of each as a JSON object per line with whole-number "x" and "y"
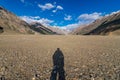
{"x": 86, "y": 57}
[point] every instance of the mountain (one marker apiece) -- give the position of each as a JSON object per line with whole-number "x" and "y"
{"x": 39, "y": 28}
{"x": 107, "y": 25}
{"x": 58, "y": 30}
{"x": 11, "y": 24}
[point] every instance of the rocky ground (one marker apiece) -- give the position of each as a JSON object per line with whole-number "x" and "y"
{"x": 86, "y": 57}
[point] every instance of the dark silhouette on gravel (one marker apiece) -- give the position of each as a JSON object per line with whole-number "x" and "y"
{"x": 58, "y": 66}
{"x": 1, "y": 29}
{"x": 2, "y": 77}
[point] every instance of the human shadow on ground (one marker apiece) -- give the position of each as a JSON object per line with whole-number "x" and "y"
{"x": 58, "y": 66}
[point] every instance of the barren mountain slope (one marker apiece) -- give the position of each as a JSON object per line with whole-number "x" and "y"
{"x": 38, "y": 27}
{"x": 103, "y": 26}
{"x": 11, "y": 24}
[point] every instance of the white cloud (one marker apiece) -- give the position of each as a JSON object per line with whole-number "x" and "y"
{"x": 47, "y": 6}
{"x": 30, "y": 19}
{"x": 83, "y": 19}
{"x": 54, "y": 11}
{"x": 68, "y": 17}
{"x": 73, "y": 26}
{"x": 59, "y": 7}
{"x": 113, "y": 13}
{"x": 70, "y": 27}
{"x": 22, "y": 1}
{"x": 90, "y": 17}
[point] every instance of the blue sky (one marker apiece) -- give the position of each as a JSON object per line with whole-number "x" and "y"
{"x": 61, "y": 13}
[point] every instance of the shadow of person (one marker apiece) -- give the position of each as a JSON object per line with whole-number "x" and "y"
{"x": 1, "y": 29}
{"x": 58, "y": 65}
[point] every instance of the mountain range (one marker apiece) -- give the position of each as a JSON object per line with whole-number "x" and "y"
{"x": 11, "y": 24}
{"x": 38, "y": 27}
{"x": 107, "y": 25}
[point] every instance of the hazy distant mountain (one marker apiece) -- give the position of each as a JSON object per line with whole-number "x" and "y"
{"x": 11, "y": 24}
{"x": 58, "y": 30}
{"x": 108, "y": 25}
{"x": 38, "y": 27}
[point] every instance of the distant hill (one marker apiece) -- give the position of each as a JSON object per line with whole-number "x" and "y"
{"x": 11, "y": 24}
{"x": 58, "y": 30}
{"x": 39, "y": 28}
{"x": 108, "y": 25}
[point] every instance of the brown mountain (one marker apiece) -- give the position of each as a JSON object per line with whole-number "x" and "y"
{"x": 39, "y": 28}
{"x": 108, "y": 25}
{"x": 11, "y": 24}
